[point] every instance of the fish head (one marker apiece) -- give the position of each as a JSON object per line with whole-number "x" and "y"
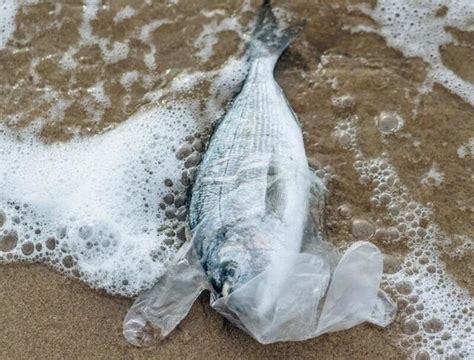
{"x": 240, "y": 259}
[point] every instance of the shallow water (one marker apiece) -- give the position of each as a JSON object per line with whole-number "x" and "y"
{"x": 105, "y": 105}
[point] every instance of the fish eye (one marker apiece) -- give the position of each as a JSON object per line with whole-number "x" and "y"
{"x": 229, "y": 269}
{"x": 230, "y": 272}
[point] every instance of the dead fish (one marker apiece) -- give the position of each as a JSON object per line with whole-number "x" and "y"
{"x": 252, "y": 186}
{"x": 248, "y": 216}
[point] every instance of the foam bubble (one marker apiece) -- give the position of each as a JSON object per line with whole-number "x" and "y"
{"x": 8, "y": 9}
{"x": 389, "y": 122}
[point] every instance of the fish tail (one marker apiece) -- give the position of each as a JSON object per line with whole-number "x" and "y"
{"x": 270, "y": 36}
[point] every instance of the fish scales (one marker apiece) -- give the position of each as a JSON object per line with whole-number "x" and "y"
{"x": 258, "y": 141}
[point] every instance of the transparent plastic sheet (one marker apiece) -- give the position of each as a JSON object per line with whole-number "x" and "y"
{"x": 299, "y": 286}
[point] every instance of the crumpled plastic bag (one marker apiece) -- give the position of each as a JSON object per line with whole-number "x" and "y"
{"x": 309, "y": 293}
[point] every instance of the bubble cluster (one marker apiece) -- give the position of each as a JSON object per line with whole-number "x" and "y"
{"x": 435, "y": 314}
{"x": 420, "y": 28}
{"x": 94, "y": 208}
{"x": 110, "y": 209}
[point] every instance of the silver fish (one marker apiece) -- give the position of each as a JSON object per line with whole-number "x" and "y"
{"x": 250, "y": 198}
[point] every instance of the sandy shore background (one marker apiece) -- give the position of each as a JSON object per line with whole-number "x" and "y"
{"x": 45, "y": 316}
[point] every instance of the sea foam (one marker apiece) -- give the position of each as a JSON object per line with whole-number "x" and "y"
{"x": 111, "y": 208}
{"x": 420, "y": 29}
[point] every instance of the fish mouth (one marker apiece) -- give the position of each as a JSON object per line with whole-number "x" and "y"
{"x": 226, "y": 289}
{"x": 229, "y": 274}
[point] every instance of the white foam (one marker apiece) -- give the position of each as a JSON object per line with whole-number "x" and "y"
{"x": 125, "y": 13}
{"x": 467, "y": 149}
{"x": 104, "y": 192}
{"x": 434, "y": 311}
{"x": 415, "y": 29}
{"x": 67, "y": 61}
{"x": 344, "y": 101}
{"x": 147, "y": 29}
{"x": 95, "y": 207}
{"x": 111, "y": 52}
{"x": 8, "y": 9}
{"x": 149, "y": 58}
{"x": 434, "y": 177}
{"x": 129, "y": 78}
{"x": 208, "y": 37}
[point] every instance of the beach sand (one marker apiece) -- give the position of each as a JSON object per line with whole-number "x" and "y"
{"x": 48, "y": 316}
{"x": 45, "y": 316}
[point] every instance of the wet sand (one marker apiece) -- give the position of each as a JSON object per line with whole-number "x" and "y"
{"x": 50, "y": 317}
{"x": 45, "y": 315}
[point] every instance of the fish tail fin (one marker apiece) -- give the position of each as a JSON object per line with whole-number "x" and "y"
{"x": 270, "y": 36}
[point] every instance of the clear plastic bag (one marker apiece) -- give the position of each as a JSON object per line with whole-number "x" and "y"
{"x": 294, "y": 296}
